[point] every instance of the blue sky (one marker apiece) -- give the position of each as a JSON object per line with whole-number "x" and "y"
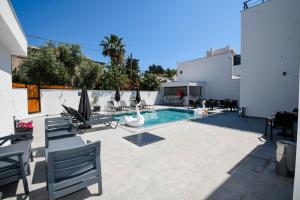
{"x": 154, "y": 31}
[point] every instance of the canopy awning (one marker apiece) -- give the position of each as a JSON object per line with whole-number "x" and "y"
{"x": 183, "y": 84}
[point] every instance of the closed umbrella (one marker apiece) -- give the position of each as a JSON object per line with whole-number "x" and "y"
{"x": 84, "y": 105}
{"x": 138, "y": 96}
{"x": 117, "y": 95}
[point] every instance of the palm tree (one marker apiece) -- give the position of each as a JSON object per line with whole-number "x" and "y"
{"x": 114, "y": 48}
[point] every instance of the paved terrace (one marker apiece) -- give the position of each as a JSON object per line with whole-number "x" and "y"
{"x": 220, "y": 157}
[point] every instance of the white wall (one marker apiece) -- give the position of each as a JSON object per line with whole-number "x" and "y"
{"x": 297, "y": 169}
{"x": 6, "y": 116}
{"x": 12, "y": 41}
{"x": 51, "y": 99}
{"x": 19, "y": 103}
{"x": 11, "y": 33}
{"x": 270, "y": 39}
{"x": 216, "y": 71}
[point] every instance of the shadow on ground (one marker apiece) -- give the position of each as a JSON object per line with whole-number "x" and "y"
{"x": 234, "y": 121}
{"x": 254, "y": 177}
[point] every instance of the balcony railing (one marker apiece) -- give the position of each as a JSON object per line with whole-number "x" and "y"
{"x": 250, "y": 3}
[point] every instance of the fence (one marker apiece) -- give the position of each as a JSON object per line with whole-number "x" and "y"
{"x": 51, "y": 99}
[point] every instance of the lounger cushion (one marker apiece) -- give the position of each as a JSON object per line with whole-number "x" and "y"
{"x": 13, "y": 162}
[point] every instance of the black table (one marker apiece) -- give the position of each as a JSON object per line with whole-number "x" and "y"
{"x": 65, "y": 143}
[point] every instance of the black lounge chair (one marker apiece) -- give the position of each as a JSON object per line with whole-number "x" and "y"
{"x": 146, "y": 106}
{"x": 14, "y": 161}
{"x": 72, "y": 165}
{"x": 94, "y": 120}
{"x": 59, "y": 127}
{"x": 284, "y": 121}
{"x": 191, "y": 104}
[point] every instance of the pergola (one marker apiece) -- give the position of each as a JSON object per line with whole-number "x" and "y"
{"x": 188, "y": 88}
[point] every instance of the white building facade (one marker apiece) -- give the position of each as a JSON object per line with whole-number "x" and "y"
{"x": 270, "y": 50}
{"x": 215, "y": 70}
{"x": 12, "y": 42}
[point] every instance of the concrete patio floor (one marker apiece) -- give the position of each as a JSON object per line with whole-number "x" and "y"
{"x": 220, "y": 157}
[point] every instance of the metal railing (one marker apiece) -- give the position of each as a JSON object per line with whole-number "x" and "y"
{"x": 250, "y": 3}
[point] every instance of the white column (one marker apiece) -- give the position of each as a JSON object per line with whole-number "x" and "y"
{"x": 297, "y": 169}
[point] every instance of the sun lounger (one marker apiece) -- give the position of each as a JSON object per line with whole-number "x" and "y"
{"x": 124, "y": 106}
{"x": 111, "y": 107}
{"x": 145, "y": 105}
{"x": 94, "y": 120}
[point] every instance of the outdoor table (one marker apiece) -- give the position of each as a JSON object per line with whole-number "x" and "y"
{"x": 65, "y": 143}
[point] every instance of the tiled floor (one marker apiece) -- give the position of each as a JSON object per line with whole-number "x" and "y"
{"x": 220, "y": 157}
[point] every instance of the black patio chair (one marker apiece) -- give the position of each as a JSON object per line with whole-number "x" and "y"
{"x": 14, "y": 160}
{"x": 233, "y": 105}
{"x": 72, "y": 165}
{"x": 59, "y": 127}
{"x": 191, "y": 104}
{"x": 222, "y": 104}
{"x": 282, "y": 120}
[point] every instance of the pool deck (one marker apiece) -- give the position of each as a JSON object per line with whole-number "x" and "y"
{"x": 219, "y": 157}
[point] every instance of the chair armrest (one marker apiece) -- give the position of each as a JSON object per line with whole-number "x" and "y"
{"x": 10, "y": 154}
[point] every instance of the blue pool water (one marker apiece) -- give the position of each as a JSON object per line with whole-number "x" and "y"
{"x": 160, "y": 116}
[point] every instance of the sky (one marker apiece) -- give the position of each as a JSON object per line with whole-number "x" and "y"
{"x": 155, "y": 31}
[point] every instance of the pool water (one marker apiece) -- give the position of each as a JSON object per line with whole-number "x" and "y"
{"x": 160, "y": 116}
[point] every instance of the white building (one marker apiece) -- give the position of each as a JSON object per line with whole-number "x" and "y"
{"x": 270, "y": 57}
{"x": 212, "y": 76}
{"x": 12, "y": 42}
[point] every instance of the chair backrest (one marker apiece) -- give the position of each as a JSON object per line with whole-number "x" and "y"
{"x": 73, "y": 169}
{"x": 58, "y": 123}
{"x": 123, "y": 103}
{"x": 284, "y": 120}
{"x": 143, "y": 102}
{"x": 77, "y": 115}
{"x": 68, "y": 110}
{"x": 132, "y": 103}
{"x": 110, "y": 104}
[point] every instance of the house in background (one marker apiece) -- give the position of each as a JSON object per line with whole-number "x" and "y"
{"x": 213, "y": 76}
{"x": 12, "y": 42}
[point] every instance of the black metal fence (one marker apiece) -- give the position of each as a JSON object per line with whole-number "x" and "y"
{"x": 250, "y": 3}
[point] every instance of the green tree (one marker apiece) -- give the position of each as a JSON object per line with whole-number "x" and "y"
{"x": 132, "y": 71}
{"x": 42, "y": 66}
{"x": 114, "y": 48}
{"x": 170, "y": 72}
{"x": 88, "y": 74}
{"x": 155, "y": 69}
{"x": 149, "y": 82}
{"x": 112, "y": 78}
{"x": 70, "y": 56}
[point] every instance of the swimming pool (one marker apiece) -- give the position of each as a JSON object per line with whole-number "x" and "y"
{"x": 160, "y": 116}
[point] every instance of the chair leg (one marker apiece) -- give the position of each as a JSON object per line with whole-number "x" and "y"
{"x": 23, "y": 174}
{"x": 99, "y": 186}
{"x": 266, "y": 128}
{"x": 31, "y": 156}
{"x": 271, "y": 133}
